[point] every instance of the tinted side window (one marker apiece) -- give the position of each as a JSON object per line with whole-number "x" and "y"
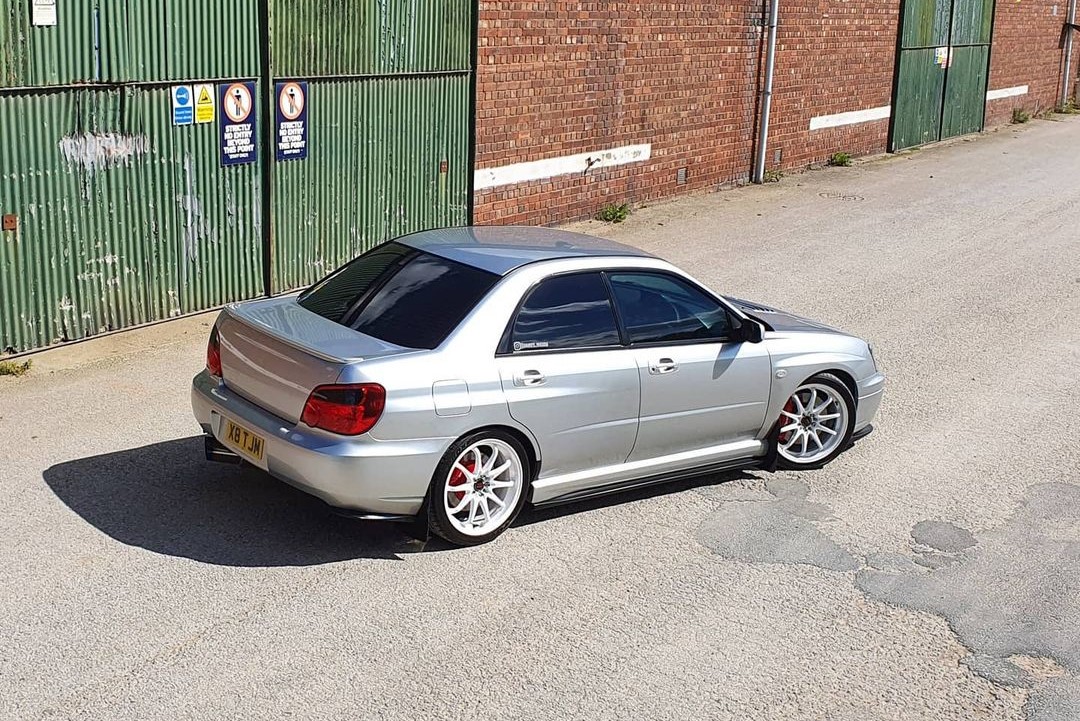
{"x": 400, "y": 295}
{"x": 569, "y": 311}
{"x": 657, "y": 308}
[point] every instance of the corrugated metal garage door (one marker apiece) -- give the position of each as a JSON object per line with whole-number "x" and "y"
{"x": 114, "y": 215}
{"x": 390, "y": 120}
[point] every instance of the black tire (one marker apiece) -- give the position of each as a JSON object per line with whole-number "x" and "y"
{"x": 844, "y": 394}
{"x": 437, "y": 516}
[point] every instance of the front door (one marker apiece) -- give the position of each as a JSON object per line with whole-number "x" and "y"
{"x": 699, "y": 389}
{"x": 567, "y": 378}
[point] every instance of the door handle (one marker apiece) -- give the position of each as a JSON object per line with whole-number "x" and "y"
{"x": 529, "y": 378}
{"x": 663, "y": 366}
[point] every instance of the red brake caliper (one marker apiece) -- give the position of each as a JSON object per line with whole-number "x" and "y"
{"x": 785, "y": 421}
{"x": 457, "y": 478}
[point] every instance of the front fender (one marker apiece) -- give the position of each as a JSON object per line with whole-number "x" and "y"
{"x": 793, "y": 364}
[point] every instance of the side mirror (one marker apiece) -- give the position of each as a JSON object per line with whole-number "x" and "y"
{"x": 750, "y": 331}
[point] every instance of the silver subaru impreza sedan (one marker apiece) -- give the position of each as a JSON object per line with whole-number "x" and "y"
{"x": 455, "y": 375}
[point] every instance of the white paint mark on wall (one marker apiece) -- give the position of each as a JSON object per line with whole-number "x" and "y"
{"x": 850, "y": 118}
{"x": 1007, "y": 92}
{"x": 880, "y": 113}
{"x": 98, "y": 151}
{"x": 566, "y": 165}
{"x": 196, "y": 225}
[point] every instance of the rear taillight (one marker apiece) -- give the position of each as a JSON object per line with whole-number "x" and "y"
{"x": 213, "y": 354}
{"x": 348, "y": 410}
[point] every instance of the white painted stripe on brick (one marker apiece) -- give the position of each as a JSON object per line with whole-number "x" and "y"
{"x": 850, "y": 118}
{"x": 1007, "y": 92}
{"x": 566, "y": 165}
{"x": 865, "y": 116}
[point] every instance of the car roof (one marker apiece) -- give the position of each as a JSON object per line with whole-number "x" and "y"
{"x": 502, "y": 249}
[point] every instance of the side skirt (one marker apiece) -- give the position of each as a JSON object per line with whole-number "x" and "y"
{"x": 365, "y": 516}
{"x": 650, "y": 481}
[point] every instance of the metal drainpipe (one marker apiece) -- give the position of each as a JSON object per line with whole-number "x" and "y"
{"x": 1071, "y": 20}
{"x": 766, "y": 95}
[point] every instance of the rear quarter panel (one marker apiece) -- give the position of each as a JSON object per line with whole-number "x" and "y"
{"x": 411, "y": 384}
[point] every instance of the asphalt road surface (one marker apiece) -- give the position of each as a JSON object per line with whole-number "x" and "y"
{"x": 933, "y": 572}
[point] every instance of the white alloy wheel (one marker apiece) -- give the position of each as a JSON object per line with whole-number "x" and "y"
{"x": 483, "y": 487}
{"x": 815, "y": 422}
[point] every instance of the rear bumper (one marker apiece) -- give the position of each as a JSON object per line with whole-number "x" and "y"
{"x": 358, "y": 476}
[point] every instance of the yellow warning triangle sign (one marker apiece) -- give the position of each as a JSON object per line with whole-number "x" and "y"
{"x": 204, "y": 103}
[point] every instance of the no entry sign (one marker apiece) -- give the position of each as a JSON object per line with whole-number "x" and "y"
{"x": 292, "y": 120}
{"x": 236, "y": 102}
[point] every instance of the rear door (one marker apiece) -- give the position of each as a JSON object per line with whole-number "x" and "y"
{"x": 567, "y": 377}
{"x": 699, "y": 388}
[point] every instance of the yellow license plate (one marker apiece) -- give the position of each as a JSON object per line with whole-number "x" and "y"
{"x": 245, "y": 442}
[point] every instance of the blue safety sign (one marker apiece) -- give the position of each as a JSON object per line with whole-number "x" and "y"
{"x": 292, "y": 120}
{"x": 183, "y": 106}
{"x": 238, "y": 123}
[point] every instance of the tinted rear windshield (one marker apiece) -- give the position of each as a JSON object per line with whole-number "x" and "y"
{"x": 400, "y": 295}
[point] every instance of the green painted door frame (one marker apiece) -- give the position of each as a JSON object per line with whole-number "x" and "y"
{"x": 942, "y": 69}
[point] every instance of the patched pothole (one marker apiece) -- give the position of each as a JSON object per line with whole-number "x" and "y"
{"x": 1012, "y": 595}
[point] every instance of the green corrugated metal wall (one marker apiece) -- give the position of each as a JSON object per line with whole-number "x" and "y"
{"x": 942, "y": 67}
{"x": 383, "y": 37}
{"x": 389, "y": 127}
{"x": 123, "y": 41}
{"x": 47, "y": 56}
{"x": 374, "y": 172}
{"x": 122, "y": 220}
{"x": 125, "y": 219}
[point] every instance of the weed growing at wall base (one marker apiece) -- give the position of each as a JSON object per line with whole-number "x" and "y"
{"x": 612, "y": 213}
{"x": 840, "y": 160}
{"x": 11, "y": 368}
{"x": 1020, "y": 116}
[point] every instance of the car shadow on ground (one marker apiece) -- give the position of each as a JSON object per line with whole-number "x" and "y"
{"x": 166, "y": 498}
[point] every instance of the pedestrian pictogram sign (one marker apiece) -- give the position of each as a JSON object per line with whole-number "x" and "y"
{"x": 292, "y": 116}
{"x": 237, "y": 101}
{"x": 238, "y": 121}
{"x": 204, "y": 103}
{"x": 183, "y": 109}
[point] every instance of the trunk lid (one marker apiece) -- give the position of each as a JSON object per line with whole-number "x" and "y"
{"x": 274, "y": 353}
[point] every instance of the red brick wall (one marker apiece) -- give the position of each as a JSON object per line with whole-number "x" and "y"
{"x": 1027, "y": 51}
{"x": 559, "y": 78}
{"x": 833, "y": 56}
